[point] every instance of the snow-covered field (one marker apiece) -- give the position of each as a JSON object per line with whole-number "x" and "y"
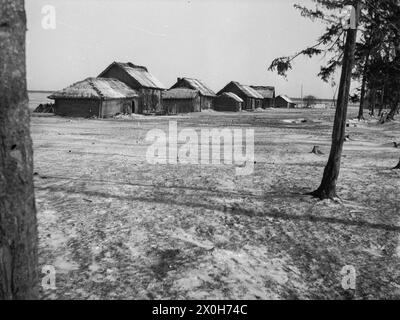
{"x": 115, "y": 226}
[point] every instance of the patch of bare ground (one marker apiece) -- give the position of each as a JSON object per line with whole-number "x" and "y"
{"x": 116, "y": 227}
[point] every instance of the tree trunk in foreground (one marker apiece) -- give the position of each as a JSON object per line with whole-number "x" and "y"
{"x": 327, "y": 189}
{"x": 18, "y": 230}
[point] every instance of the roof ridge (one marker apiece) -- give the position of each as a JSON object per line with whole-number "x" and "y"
{"x": 247, "y": 90}
{"x": 182, "y": 88}
{"x": 140, "y": 73}
{"x": 259, "y": 86}
{"x": 97, "y": 90}
{"x": 201, "y": 86}
{"x": 132, "y": 65}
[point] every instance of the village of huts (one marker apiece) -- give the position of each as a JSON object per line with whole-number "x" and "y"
{"x": 126, "y": 88}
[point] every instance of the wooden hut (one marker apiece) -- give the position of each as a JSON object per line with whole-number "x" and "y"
{"x": 268, "y": 94}
{"x": 141, "y": 80}
{"x": 207, "y": 95}
{"x": 251, "y": 98}
{"x": 228, "y": 101}
{"x": 181, "y": 100}
{"x": 284, "y": 101}
{"x": 95, "y": 97}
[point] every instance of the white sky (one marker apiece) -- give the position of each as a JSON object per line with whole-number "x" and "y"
{"x": 216, "y": 41}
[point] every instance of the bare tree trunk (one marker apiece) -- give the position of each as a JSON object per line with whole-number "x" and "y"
{"x": 382, "y": 99}
{"x": 393, "y": 110}
{"x": 18, "y": 230}
{"x": 363, "y": 87}
{"x": 396, "y": 103}
{"x": 362, "y": 97}
{"x": 372, "y": 100}
{"x": 327, "y": 189}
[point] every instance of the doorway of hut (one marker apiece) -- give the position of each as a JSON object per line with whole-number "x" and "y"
{"x": 135, "y": 108}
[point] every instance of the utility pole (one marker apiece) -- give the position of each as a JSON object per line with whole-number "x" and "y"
{"x": 301, "y": 93}
{"x": 327, "y": 189}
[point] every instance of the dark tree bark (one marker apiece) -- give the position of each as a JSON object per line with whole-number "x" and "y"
{"x": 364, "y": 82}
{"x": 327, "y": 189}
{"x": 372, "y": 100}
{"x": 362, "y": 97}
{"x": 382, "y": 100}
{"x": 18, "y": 230}
{"x": 363, "y": 90}
{"x": 396, "y": 99}
{"x": 393, "y": 110}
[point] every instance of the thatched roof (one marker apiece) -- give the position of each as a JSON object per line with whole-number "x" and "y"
{"x": 246, "y": 90}
{"x": 139, "y": 73}
{"x": 96, "y": 88}
{"x": 266, "y": 91}
{"x": 286, "y": 98}
{"x": 180, "y": 93}
{"x": 232, "y": 96}
{"x": 196, "y": 84}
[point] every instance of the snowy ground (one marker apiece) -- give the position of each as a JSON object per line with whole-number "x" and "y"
{"x": 115, "y": 226}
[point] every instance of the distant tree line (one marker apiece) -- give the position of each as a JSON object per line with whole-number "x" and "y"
{"x": 377, "y": 53}
{"x": 366, "y": 46}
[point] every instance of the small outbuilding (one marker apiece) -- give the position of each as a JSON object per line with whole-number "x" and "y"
{"x": 228, "y": 101}
{"x": 181, "y": 100}
{"x": 95, "y": 97}
{"x": 207, "y": 95}
{"x": 251, "y": 98}
{"x": 284, "y": 101}
{"x": 140, "y": 79}
{"x": 268, "y": 94}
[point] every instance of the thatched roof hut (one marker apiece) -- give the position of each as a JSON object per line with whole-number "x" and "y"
{"x": 268, "y": 94}
{"x": 228, "y": 101}
{"x": 284, "y": 101}
{"x": 138, "y": 78}
{"x": 138, "y": 73}
{"x": 95, "y": 97}
{"x": 181, "y": 100}
{"x": 194, "y": 84}
{"x": 266, "y": 91}
{"x": 251, "y": 98}
{"x": 96, "y": 88}
{"x": 207, "y": 95}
